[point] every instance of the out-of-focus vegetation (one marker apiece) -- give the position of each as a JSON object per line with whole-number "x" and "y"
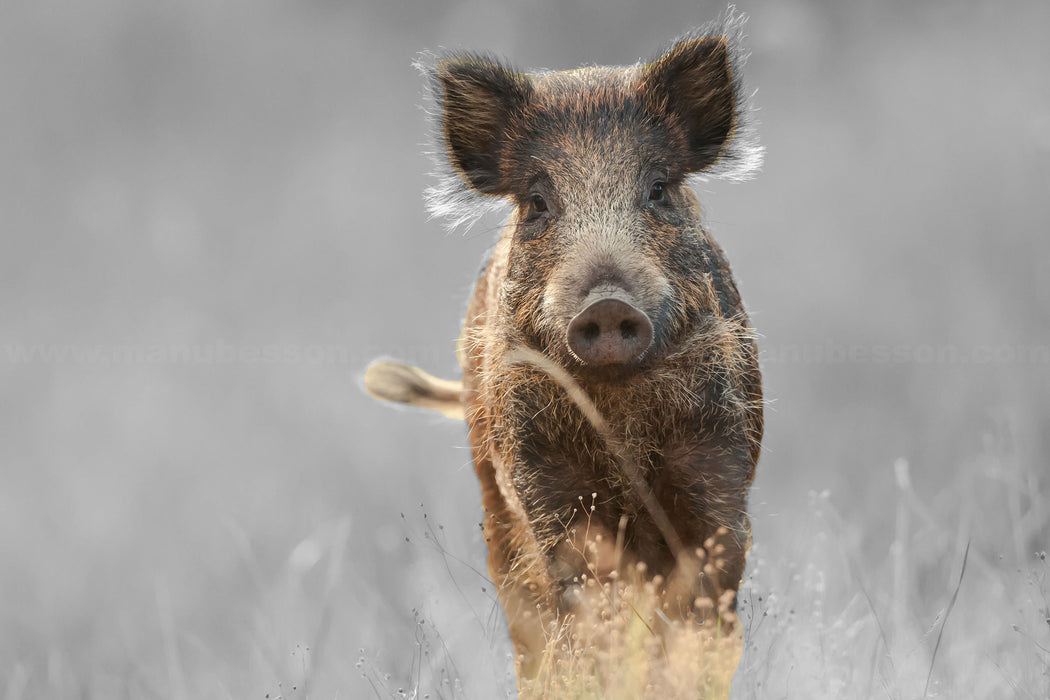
{"x": 211, "y": 222}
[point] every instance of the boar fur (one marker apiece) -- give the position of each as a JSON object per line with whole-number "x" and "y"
{"x": 596, "y": 164}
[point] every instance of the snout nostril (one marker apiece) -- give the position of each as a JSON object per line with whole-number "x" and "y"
{"x": 609, "y": 331}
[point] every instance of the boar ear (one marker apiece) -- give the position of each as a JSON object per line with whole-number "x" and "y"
{"x": 474, "y": 103}
{"x": 478, "y": 100}
{"x": 696, "y": 87}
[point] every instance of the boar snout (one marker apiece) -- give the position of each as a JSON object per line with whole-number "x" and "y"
{"x": 609, "y": 331}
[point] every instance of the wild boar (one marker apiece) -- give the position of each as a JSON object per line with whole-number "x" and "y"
{"x": 609, "y": 368}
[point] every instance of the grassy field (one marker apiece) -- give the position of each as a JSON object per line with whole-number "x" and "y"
{"x": 211, "y": 221}
{"x": 946, "y": 611}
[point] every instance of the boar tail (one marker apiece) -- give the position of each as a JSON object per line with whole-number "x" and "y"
{"x": 393, "y": 381}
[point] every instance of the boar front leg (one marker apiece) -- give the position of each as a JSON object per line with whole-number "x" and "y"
{"x": 571, "y": 526}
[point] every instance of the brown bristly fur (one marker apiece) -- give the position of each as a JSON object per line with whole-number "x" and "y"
{"x": 654, "y": 445}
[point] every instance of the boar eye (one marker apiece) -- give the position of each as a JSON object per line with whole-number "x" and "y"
{"x": 656, "y": 192}
{"x": 539, "y": 204}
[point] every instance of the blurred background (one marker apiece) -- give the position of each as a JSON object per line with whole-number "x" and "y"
{"x": 212, "y": 222}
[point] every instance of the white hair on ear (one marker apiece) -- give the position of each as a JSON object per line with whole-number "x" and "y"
{"x": 449, "y": 198}
{"x": 743, "y": 156}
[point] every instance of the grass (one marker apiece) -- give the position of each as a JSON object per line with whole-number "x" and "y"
{"x": 945, "y": 613}
{"x": 631, "y": 636}
{"x": 939, "y": 616}
{"x": 622, "y": 645}
{"x": 952, "y": 602}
